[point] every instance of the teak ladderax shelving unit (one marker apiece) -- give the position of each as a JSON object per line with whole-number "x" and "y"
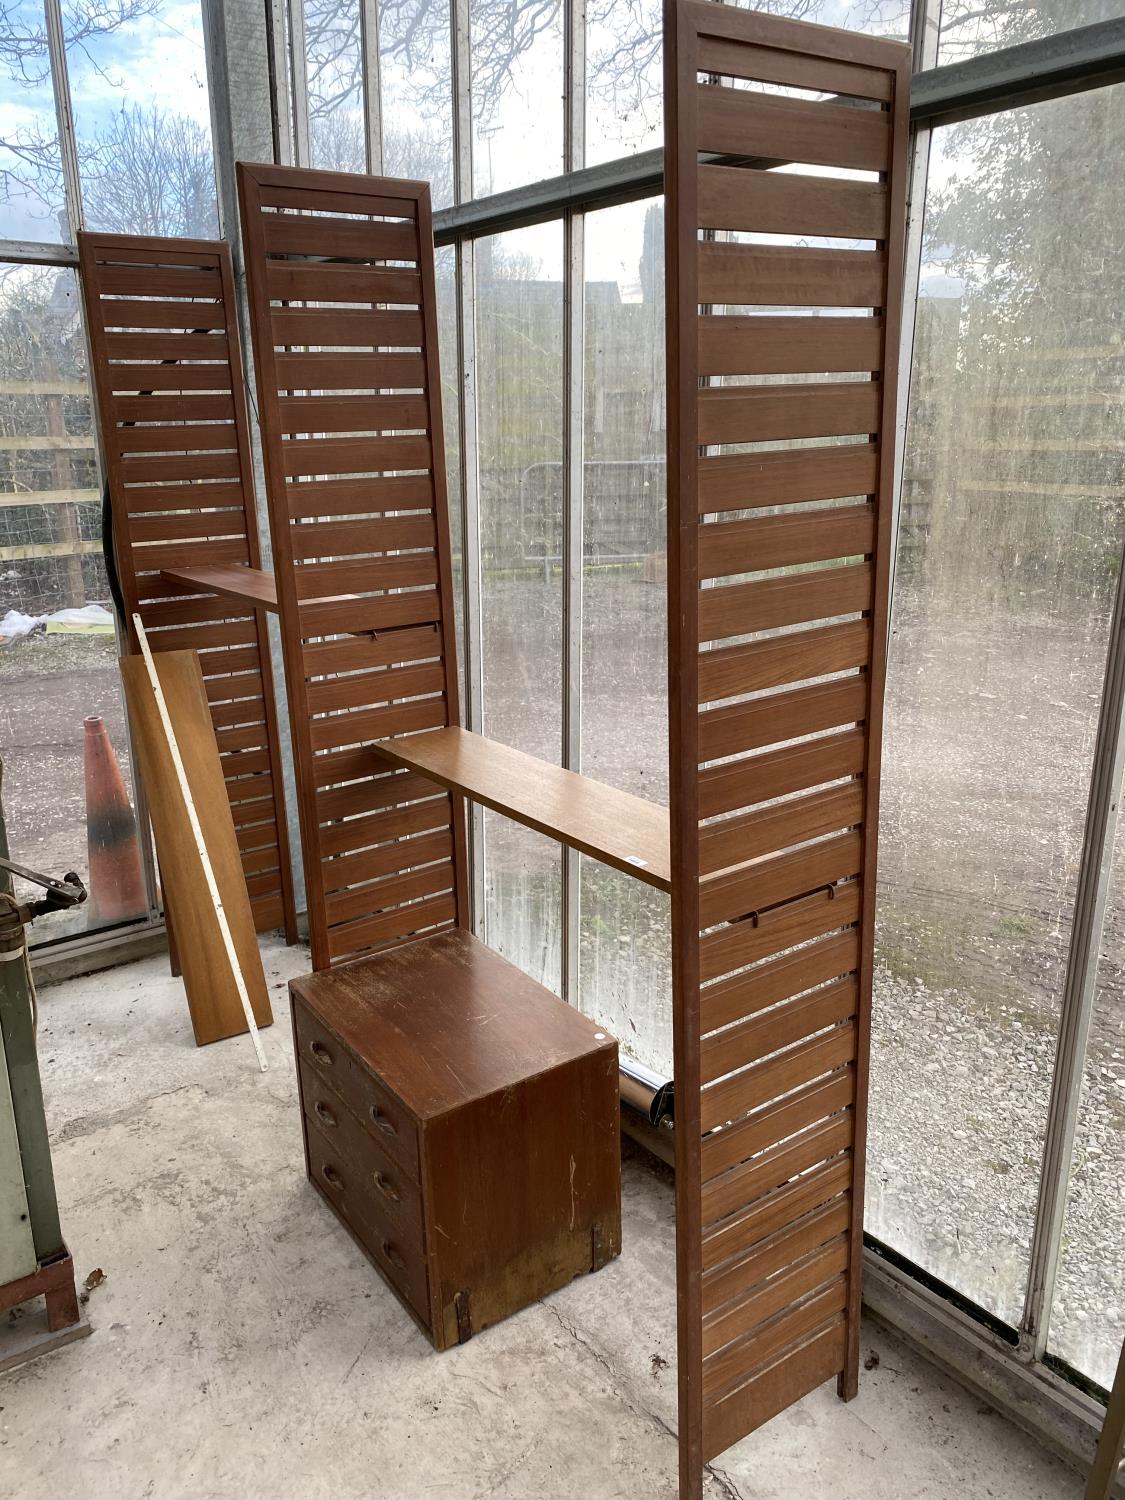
{"x": 779, "y": 519}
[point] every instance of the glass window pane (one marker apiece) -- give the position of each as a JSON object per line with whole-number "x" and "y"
{"x": 969, "y": 29}
{"x": 625, "y": 956}
{"x": 416, "y": 83}
{"x": 333, "y": 58}
{"x": 517, "y": 48}
{"x": 1009, "y": 548}
{"x": 520, "y": 393}
{"x": 1088, "y": 1317}
{"x": 624, "y": 78}
{"x": 31, "y": 187}
{"x": 58, "y": 654}
{"x": 142, "y": 118}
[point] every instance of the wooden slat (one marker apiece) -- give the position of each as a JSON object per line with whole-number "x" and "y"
{"x": 342, "y": 538}
{"x": 753, "y": 1039}
{"x": 361, "y": 542}
{"x": 354, "y": 455}
{"x": 393, "y": 890}
{"x": 778, "y": 773}
{"x": 291, "y": 234}
{"x": 373, "y": 612}
{"x": 825, "y": 135}
{"x": 777, "y": 276}
{"x": 176, "y": 444}
{"x": 768, "y": 720}
{"x": 784, "y": 1290}
{"x": 765, "y": 1080}
{"x": 157, "y": 347}
{"x": 158, "y": 281}
{"x": 390, "y": 926}
{"x": 764, "y": 344}
{"x": 191, "y": 406}
{"x": 740, "y": 481}
{"x": 786, "y": 203}
{"x": 313, "y": 281}
{"x": 346, "y": 497}
{"x": 741, "y": 609}
{"x": 309, "y": 327}
{"x": 773, "y": 1168}
{"x": 364, "y": 653}
{"x": 364, "y": 689}
{"x": 734, "y": 58}
{"x": 352, "y": 413}
{"x": 779, "y": 928}
{"x": 767, "y": 414}
{"x": 780, "y": 1250}
{"x": 328, "y": 580}
{"x": 332, "y": 371}
{"x": 361, "y": 833}
{"x": 196, "y": 317}
{"x": 734, "y": 1236}
{"x": 727, "y": 548}
{"x": 806, "y": 1363}
{"x": 780, "y": 659}
{"x": 724, "y": 1149}
{"x": 751, "y": 835}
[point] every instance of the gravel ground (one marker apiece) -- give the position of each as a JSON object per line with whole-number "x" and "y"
{"x": 989, "y": 734}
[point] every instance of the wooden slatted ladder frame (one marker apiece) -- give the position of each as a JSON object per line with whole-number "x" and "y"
{"x": 171, "y": 406}
{"x": 340, "y": 277}
{"x": 779, "y": 553}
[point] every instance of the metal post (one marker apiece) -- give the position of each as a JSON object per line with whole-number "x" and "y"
{"x": 372, "y": 84}
{"x": 1079, "y": 988}
{"x": 470, "y": 451}
{"x": 924, "y": 27}
{"x": 280, "y": 107}
{"x": 299, "y": 84}
{"x": 64, "y": 116}
{"x": 574, "y": 458}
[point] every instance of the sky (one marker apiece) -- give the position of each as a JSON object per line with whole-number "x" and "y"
{"x": 157, "y": 59}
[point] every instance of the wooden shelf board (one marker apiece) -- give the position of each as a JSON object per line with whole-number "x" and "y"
{"x": 613, "y": 827}
{"x": 251, "y": 585}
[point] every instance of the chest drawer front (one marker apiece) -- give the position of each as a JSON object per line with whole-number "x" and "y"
{"x": 338, "y": 1179}
{"x": 380, "y": 1114}
{"x": 378, "y": 1175}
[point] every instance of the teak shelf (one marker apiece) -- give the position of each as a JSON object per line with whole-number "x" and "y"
{"x": 247, "y": 585}
{"x": 611, "y": 826}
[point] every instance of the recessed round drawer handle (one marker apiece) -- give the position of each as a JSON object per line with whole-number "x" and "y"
{"x": 321, "y": 1053}
{"x": 387, "y": 1188}
{"x": 325, "y": 1114}
{"x": 379, "y": 1118}
{"x": 393, "y": 1256}
{"x": 331, "y": 1176}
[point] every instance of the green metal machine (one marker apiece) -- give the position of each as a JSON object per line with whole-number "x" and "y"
{"x": 34, "y": 1260}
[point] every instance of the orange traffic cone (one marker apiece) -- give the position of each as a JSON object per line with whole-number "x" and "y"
{"x": 116, "y": 884}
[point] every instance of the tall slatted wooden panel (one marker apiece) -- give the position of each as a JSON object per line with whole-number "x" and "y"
{"x": 340, "y": 274}
{"x": 782, "y": 429}
{"x": 172, "y": 413}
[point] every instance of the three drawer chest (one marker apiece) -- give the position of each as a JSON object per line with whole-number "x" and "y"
{"x": 463, "y": 1123}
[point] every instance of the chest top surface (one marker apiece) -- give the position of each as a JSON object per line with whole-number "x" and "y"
{"x": 446, "y": 1020}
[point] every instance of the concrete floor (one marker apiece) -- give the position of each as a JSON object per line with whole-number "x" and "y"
{"x": 244, "y": 1347}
